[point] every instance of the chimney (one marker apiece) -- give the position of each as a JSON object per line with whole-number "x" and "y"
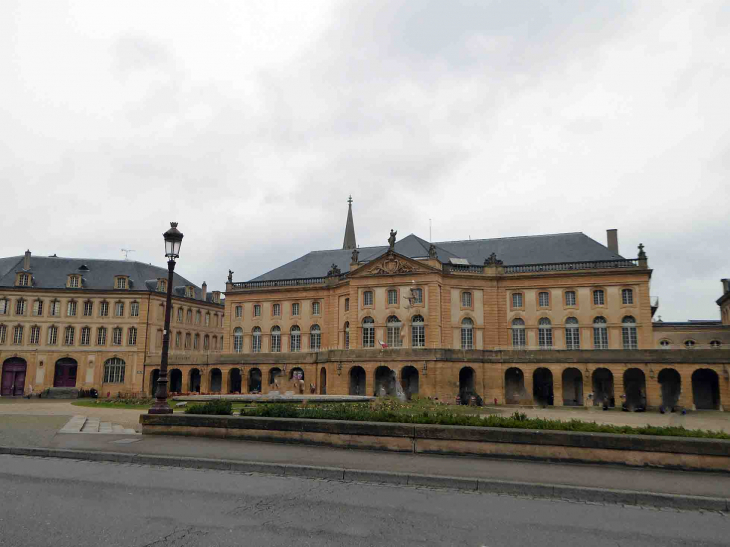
{"x": 725, "y": 286}
{"x": 26, "y": 261}
{"x": 612, "y": 237}
{"x": 205, "y": 290}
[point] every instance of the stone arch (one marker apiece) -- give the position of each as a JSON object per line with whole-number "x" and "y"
{"x": 235, "y": 381}
{"x": 215, "y": 384}
{"x": 176, "y": 381}
{"x": 13, "y": 377}
{"x": 671, "y": 386}
{"x": 635, "y": 389}
{"x": 254, "y": 380}
{"x": 706, "y": 389}
{"x": 467, "y": 384}
{"x": 323, "y": 381}
{"x": 194, "y": 381}
{"x": 154, "y": 377}
{"x": 572, "y": 379}
{"x": 409, "y": 380}
{"x": 542, "y": 387}
{"x": 514, "y": 386}
{"x": 296, "y": 371}
{"x": 65, "y": 372}
{"x": 384, "y": 381}
{"x": 603, "y": 388}
{"x": 274, "y": 374}
{"x": 357, "y": 381}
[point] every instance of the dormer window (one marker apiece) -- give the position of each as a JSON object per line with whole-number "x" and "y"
{"x": 120, "y": 283}
{"x": 216, "y": 297}
{"x": 162, "y": 285}
{"x": 189, "y": 292}
{"x": 74, "y": 281}
{"x": 23, "y": 280}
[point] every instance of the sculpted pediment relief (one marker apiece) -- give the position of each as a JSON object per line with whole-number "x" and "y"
{"x": 392, "y": 264}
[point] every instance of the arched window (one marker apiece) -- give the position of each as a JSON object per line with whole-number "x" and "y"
{"x": 238, "y": 340}
{"x": 256, "y": 340}
{"x": 627, "y": 296}
{"x": 276, "y": 339}
{"x": 545, "y": 333}
{"x": 600, "y": 333}
{"x": 114, "y": 369}
{"x": 392, "y": 326}
{"x": 347, "y": 335}
{"x": 295, "y": 339}
{"x": 572, "y": 333}
{"x": 467, "y": 332}
{"x": 418, "y": 332}
{"x": 368, "y": 332}
{"x": 518, "y": 333}
{"x": 315, "y": 338}
{"x": 628, "y": 332}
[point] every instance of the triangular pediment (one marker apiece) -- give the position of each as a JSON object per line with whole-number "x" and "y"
{"x": 392, "y": 263}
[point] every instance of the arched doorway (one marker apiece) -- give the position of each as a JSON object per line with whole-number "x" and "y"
{"x": 216, "y": 381}
{"x": 13, "y": 377}
{"x": 514, "y": 386}
{"x": 467, "y": 383}
{"x": 409, "y": 381}
{"x": 194, "y": 381}
{"x": 542, "y": 387}
{"x": 254, "y": 380}
{"x": 296, "y": 374}
{"x": 635, "y": 389}
{"x": 154, "y": 377}
{"x": 603, "y": 388}
{"x": 706, "y": 389}
{"x": 323, "y": 381}
{"x": 572, "y": 387}
{"x": 65, "y": 373}
{"x": 234, "y": 380}
{"x": 357, "y": 381}
{"x": 384, "y": 381}
{"x": 176, "y": 381}
{"x": 671, "y": 384}
{"x": 274, "y": 374}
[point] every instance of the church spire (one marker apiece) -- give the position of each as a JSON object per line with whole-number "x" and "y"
{"x": 349, "y": 242}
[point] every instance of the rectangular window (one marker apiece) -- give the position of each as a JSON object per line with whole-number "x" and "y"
{"x": 418, "y": 336}
{"x": 347, "y": 338}
{"x": 101, "y": 336}
{"x": 627, "y": 296}
{"x": 117, "y": 336}
{"x": 600, "y": 337}
{"x": 20, "y": 307}
{"x": 518, "y": 337}
{"x": 630, "y": 339}
{"x": 104, "y": 309}
{"x": 23, "y": 280}
{"x": 295, "y": 340}
{"x": 38, "y": 307}
{"x": 134, "y": 309}
{"x": 368, "y": 298}
{"x": 85, "y": 336}
{"x": 68, "y": 338}
{"x": 3, "y": 333}
{"x": 275, "y": 342}
{"x": 177, "y": 340}
{"x": 18, "y": 335}
{"x": 347, "y": 304}
{"x": 570, "y": 298}
{"x": 52, "y": 336}
{"x": 368, "y": 336}
{"x": 88, "y": 308}
{"x": 545, "y": 337}
{"x": 295, "y": 309}
{"x": 73, "y": 282}
{"x": 239, "y": 311}
{"x": 394, "y": 339}
{"x": 71, "y": 309}
{"x": 315, "y": 308}
{"x": 572, "y": 338}
{"x": 517, "y": 300}
{"x": 121, "y": 283}
{"x": 417, "y": 296}
{"x": 315, "y": 340}
{"x": 543, "y": 299}
{"x": 207, "y": 319}
{"x": 132, "y": 336}
{"x": 467, "y": 338}
{"x": 276, "y": 310}
{"x": 599, "y": 298}
{"x": 119, "y": 309}
{"x": 3, "y": 306}
{"x": 55, "y": 308}
{"x": 392, "y": 297}
{"x": 257, "y": 310}
{"x": 35, "y": 335}
{"x": 466, "y": 299}
{"x": 256, "y": 343}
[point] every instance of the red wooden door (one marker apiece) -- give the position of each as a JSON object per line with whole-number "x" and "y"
{"x": 7, "y": 383}
{"x": 65, "y": 375}
{"x": 13, "y": 379}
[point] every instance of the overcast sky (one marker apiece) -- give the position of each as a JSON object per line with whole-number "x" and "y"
{"x": 250, "y": 123}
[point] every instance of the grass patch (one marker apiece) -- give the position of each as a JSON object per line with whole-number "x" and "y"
{"x": 393, "y": 411}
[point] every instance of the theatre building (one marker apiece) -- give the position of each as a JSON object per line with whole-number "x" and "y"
{"x": 90, "y": 323}
{"x": 555, "y": 319}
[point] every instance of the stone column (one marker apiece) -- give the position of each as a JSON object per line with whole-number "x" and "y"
{"x": 369, "y": 379}
{"x": 618, "y": 386}
{"x": 587, "y": 386}
{"x": 224, "y": 380}
{"x": 686, "y": 399}
{"x": 557, "y": 387}
{"x": 528, "y": 374}
{"x": 653, "y": 389}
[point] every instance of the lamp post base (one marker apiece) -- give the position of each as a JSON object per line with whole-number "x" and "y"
{"x": 160, "y": 407}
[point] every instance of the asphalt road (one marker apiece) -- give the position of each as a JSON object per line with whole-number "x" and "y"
{"x": 71, "y": 503}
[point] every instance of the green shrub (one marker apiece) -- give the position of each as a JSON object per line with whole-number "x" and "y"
{"x": 217, "y": 407}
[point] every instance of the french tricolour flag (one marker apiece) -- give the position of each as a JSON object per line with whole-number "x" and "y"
{"x": 382, "y": 344}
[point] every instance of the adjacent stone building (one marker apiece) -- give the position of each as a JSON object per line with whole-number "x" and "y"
{"x": 90, "y": 323}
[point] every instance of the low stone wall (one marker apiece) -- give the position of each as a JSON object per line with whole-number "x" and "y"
{"x": 564, "y": 446}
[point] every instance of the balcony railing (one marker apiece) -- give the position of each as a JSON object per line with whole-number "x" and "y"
{"x": 567, "y": 266}
{"x": 463, "y": 268}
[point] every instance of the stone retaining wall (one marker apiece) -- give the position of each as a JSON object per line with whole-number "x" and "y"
{"x": 565, "y": 446}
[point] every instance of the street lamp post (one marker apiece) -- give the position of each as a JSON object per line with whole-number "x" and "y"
{"x": 173, "y": 240}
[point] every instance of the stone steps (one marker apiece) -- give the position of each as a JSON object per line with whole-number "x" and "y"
{"x": 90, "y": 424}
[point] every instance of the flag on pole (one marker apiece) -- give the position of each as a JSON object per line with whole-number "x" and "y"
{"x": 382, "y": 344}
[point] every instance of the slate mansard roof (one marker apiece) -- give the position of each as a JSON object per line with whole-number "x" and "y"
{"x": 513, "y": 251}
{"x": 97, "y": 274}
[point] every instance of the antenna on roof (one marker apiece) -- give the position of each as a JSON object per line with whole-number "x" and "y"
{"x": 126, "y": 253}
